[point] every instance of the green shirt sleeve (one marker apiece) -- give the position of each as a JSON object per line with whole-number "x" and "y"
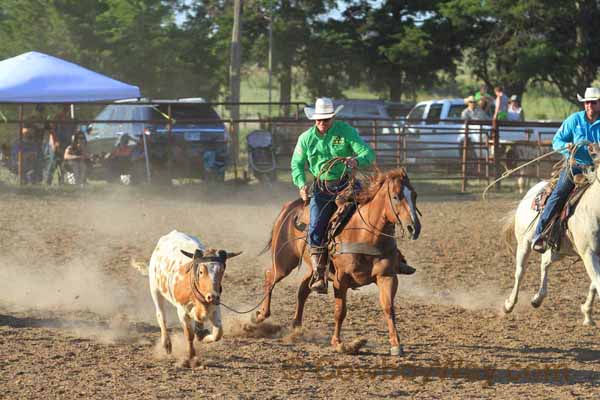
{"x": 298, "y": 161}
{"x": 364, "y": 153}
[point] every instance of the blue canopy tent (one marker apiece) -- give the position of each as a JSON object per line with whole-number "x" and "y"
{"x": 39, "y": 78}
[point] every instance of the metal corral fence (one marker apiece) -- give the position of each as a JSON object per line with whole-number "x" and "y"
{"x": 444, "y": 150}
{"x": 184, "y": 145}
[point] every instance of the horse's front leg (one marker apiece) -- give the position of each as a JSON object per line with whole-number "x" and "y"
{"x": 340, "y": 310}
{"x": 303, "y": 292}
{"x": 388, "y": 285}
{"x": 586, "y": 308}
{"x": 271, "y": 278}
{"x": 591, "y": 261}
{"x": 547, "y": 259}
{"x": 521, "y": 264}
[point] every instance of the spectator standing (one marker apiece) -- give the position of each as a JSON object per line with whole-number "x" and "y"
{"x": 483, "y": 94}
{"x": 77, "y": 158}
{"x": 473, "y": 110}
{"x": 58, "y": 137}
{"x": 29, "y": 155}
{"x": 38, "y": 126}
{"x": 515, "y": 111}
{"x": 501, "y": 109}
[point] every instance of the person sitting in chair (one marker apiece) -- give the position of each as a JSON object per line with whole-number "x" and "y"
{"x": 78, "y": 158}
{"x": 326, "y": 140}
{"x": 581, "y": 126}
{"x": 118, "y": 161}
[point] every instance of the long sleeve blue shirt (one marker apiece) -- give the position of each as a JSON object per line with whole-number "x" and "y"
{"x": 574, "y": 129}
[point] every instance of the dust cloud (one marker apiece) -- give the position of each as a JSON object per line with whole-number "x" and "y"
{"x": 70, "y": 253}
{"x": 485, "y": 295}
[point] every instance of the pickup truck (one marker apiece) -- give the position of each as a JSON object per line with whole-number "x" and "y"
{"x": 434, "y": 130}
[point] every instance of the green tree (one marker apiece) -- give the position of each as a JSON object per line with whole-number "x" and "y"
{"x": 515, "y": 43}
{"x": 33, "y": 25}
{"x": 402, "y": 46}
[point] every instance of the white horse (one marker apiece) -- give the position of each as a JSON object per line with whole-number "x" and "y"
{"x": 583, "y": 231}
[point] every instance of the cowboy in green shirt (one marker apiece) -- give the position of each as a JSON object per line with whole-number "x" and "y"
{"x": 326, "y": 140}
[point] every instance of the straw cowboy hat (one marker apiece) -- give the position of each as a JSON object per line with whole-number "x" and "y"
{"x": 323, "y": 109}
{"x": 469, "y": 99}
{"x": 591, "y": 94}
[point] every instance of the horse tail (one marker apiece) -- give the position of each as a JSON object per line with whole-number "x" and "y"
{"x": 285, "y": 210}
{"x": 142, "y": 267}
{"x": 508, "y": 230}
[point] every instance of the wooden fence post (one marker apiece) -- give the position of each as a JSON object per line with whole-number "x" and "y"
{"x": 464, "y": 158}
{"x": 496, "y": 151}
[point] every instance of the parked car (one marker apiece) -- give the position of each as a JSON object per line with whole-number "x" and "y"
{"x": 374, "y": 124}
{"x": 198, "y": 147}
{"x": 398, "y": 109}
{"x": 434, "y": 129}
{"x": 367, "y": 115}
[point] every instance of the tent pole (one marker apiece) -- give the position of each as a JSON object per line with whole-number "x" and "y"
{"x": 146, "y": 157}
{"x": 20, "y": 153}
{"x": 170, "y": 144}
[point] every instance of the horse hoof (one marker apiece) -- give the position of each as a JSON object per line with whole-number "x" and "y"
{"x": 396, "y": 351}
{"x": 405, "y": 269}
{"x": 536, "y": 302}
{"x": 507, "y": 307}
{"x": 589, "y": 323}
{"x": 201, "y": 334}
{"x": 256, "y": 318}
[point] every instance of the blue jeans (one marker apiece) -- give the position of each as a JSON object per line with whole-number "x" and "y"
{"x": 557, "y": 198}
{"x": 53, "y": 162}
{"x": 322, "y": 206}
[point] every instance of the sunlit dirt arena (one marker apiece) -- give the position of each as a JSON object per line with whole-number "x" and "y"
{"x": 76, "y": 321}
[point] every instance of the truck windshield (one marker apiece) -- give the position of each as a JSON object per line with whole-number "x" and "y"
{"x": 190, "y": 112}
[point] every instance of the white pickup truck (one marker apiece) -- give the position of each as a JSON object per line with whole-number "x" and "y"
{"x": 434, "y": 130}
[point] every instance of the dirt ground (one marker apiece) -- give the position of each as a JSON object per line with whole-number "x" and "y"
{"x": 76, "y": 321}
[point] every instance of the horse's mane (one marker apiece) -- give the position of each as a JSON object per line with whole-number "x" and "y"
{"x": 373, "y": 183}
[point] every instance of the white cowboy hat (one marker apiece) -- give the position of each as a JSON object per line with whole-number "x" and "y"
{"x": 591, "y": 94}
{"x": 323, "y": 109}
{"x": 469, "y": 99}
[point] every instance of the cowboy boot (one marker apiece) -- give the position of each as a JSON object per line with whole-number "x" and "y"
{"x": 318, "y": 258}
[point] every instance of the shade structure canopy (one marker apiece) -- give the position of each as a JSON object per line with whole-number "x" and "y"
{"x": 40, "y": 78}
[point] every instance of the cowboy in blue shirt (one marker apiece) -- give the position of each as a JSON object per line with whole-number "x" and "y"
{"x": 582, "y": 126}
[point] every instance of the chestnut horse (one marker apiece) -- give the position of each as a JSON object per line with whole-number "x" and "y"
{"x": 364, "y": 252}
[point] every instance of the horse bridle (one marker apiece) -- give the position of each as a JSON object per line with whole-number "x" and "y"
{"x": 393, "y": 203}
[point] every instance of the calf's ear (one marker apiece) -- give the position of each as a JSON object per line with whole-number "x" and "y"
{"x": 198, "y": 254}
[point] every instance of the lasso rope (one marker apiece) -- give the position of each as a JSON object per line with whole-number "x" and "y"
{"x": 509, "y": 172}
{"x": 322, "y": 184}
